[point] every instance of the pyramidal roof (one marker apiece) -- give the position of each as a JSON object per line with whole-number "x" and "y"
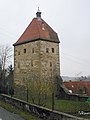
{"x": 38, "y": 29}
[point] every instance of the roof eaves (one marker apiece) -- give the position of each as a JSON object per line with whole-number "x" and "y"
{"x": 43, "y": 39}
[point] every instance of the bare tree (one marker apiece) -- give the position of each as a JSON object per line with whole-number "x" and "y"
{"x": 5, "y": 55}
{"x": 37, "y": 91}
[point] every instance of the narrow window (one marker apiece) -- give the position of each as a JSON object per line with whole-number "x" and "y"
{"x": 52, "y": 50}
{"x": 33, "y": 50}
{"x": 19, "y": 53}
{"x": 24, "y": 50}
{"x": 50, "y": 64}
{"x": 47, "y": 50}
{"x": 31, "y": 63}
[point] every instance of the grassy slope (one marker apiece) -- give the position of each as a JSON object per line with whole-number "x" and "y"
{"x": 24, "y": 115}
{"x": 60, "y": 105}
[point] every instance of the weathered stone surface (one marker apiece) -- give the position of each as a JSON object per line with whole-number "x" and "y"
{"x": 36, "y": 60}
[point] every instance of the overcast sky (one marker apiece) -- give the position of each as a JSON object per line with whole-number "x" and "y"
{"x": 69, "y": 18}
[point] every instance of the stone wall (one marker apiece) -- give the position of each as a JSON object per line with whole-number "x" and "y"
{"x": 36, "y": 60}
{"x": 39, "y": 111}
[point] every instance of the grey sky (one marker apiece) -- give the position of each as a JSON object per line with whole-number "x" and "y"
{"x": 69, "y": 18}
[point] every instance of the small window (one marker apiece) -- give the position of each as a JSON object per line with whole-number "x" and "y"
{"x": 52, "y": 50}
{"x": 32, "y": 64}
{"x": 33, "y": 50}
{"x": 50, "y": 64}
{"x": 24, "y": 50}
{"x": 19, "y": 53}
{"x": 47, "y": 50}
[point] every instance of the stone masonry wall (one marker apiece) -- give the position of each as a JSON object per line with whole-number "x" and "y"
{"x": 36, "y": 60}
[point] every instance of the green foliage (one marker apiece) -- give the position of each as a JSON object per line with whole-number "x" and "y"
{"x": 40, "y": 91}
{"x": 88, "y": 100}
{"x": 36, "y": 91}
{"x": 20, "y": 92}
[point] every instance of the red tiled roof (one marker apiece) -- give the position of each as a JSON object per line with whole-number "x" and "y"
{"x": 38, "y": 29}
{"x": 76, "y": 86}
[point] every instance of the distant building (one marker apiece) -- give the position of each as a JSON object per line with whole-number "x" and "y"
{"x": 78, "y": 87}
{"x": 36, "y": 53}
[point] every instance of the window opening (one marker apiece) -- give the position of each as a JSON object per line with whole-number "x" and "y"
{"x": 33, "y": 50}
{"x": 24, "y": 50}
{"x": 47, "y": 50}
{"x": 50, "y": 64}
{"x": 52, "y": 50}
{"x": 19, "y": 53}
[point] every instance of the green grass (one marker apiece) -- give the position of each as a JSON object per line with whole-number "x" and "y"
{"x": 67, "y": 106}
{"x": 23, "y": 114}
{"x": 71, "y": 106}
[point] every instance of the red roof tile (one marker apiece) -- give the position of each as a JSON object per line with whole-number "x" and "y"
{"x": 38, "y": 29}
{"x": 76, "y": 86}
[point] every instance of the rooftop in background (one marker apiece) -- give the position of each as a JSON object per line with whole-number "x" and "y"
{"x": 38, "y": 29}
{"x": 78, "y": 87}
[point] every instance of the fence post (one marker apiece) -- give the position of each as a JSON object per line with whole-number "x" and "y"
{"x": 27, "y": 94}
{"x": 53, "y": 102}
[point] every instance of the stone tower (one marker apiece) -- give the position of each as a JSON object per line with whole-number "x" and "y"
{"x": 36, "y": 53}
